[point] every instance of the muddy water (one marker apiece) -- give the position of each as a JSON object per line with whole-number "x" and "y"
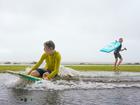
{"x": 93, "y": 88}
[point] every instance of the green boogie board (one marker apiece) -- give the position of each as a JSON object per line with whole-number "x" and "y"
{"x": 25, "y": 76}
{"x": 32, "y": 78}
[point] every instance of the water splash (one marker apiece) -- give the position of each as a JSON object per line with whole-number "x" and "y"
{"x": 77, "y": 80}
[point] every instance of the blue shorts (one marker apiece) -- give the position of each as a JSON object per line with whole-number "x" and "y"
{"x": 42, "y": 71}
{"x": 117, "y": 55}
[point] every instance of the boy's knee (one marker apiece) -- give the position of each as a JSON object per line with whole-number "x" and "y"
{"x": 116, "y": 59}
{"x": 34, "y": 73}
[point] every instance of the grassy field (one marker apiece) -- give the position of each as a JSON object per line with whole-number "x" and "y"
{"x": 132, "y": 68}
{"x": 12, "y": 67}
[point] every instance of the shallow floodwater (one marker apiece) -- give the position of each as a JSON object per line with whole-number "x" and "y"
{"x": 92, "y": 88}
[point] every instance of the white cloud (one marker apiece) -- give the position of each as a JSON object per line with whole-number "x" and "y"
{"x": 4, "y": 51}
{"x": 78, "y": 27}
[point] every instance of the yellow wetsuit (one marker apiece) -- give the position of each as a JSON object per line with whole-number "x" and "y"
{"x": 52, "y": 63}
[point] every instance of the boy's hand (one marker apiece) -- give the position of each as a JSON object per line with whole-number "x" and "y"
{"x": 29, "y": 72}
{"x": 45, "y": 76}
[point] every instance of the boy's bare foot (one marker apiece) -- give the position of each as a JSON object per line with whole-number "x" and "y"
{"x": 117, "y": 68}
{"x": 114, "y": 68}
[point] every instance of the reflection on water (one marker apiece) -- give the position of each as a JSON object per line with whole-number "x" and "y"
{"x": 117, "y": 96}
{"x": 34, "y": 98}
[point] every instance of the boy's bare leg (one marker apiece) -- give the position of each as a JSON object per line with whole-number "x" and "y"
{"x": 115, "y": 64}
{"x": 35, "y": 73}
{"x": 117, "y": 67}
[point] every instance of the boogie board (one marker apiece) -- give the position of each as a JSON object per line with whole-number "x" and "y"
{"x": 25, "y": 76}
{"x": 110, "y": 47}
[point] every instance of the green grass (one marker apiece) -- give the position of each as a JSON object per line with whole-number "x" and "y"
{"x": 131, "y": 68}
{"x": 12, "y": 67}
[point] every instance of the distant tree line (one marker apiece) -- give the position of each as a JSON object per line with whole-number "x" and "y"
{"x": 136, "y": 63}
{"x": 82, "y": 63}
{"x": 8, "y": 62}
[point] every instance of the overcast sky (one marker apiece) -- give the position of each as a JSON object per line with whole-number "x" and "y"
{"x": 79, "y": 29}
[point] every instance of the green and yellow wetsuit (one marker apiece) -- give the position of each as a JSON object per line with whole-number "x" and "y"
{"x": 52, "y": 63}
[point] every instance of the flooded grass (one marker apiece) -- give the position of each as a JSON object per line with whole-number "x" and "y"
{"x": 90, "y": 86}
{"x": 61, "y": 92}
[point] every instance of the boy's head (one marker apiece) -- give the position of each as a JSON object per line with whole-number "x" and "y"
{"x": 120, "y": 40}
{"x": 49, "y": 46}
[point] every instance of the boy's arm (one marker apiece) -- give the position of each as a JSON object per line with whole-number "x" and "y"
{"x": 123, "y": 49}
{"x": 38, "y": 63}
